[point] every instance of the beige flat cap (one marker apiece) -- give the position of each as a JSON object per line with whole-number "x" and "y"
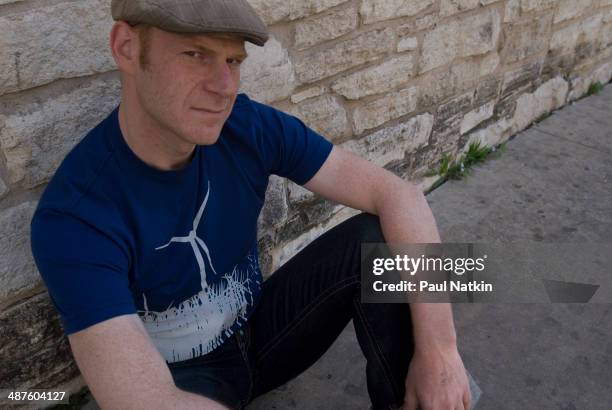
{"x": 194, "y": 16}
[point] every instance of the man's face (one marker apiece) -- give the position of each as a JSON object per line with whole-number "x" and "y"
{"x": 189, "y": 83}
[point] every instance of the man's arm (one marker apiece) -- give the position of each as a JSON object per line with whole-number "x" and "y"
{"x": 124, "y": 370}
{"x": 436, "y": 378}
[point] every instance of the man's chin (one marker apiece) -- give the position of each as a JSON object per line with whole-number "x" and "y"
{"x": 205, "y": 132}
{"x": 208, "y": 138}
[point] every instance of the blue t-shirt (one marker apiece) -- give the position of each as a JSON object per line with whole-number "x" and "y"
{"x": 112, "y": 235}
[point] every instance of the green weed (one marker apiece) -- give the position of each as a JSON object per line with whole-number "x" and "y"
{"x": 475, "y": 154}
{"x": 594, "y": 88}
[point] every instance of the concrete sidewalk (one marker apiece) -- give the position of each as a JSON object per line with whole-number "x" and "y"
{"x": 553, "y": 184}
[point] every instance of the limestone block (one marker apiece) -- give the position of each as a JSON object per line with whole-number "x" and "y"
{"x": 537, "y": 5}
{"x": 524, "y": 38}
{"x": 316, "y": 65}
{"x": 274, "y": 211}
{"x": 564, "y": 41}
{"x": 475, "y": 117}
{"x": 387, "y": 108}
{"x": 452, "y": 111}
{"x": 35, "y": 352}
{"x": 512, "y": 10}
{"x": 17, "y": 269}
{"x": 463, "y": 37}
{"x": 520, "y": 78}
{"x": 487, "y": 89}
{"x": 450, "y": 7}
{"x": 444, "y": 140}
{"x": 39, "y": 46}
{"x": 267, "y": 74}
{"x": 8, "y": 1}
{"x": 549, "y": 96}
{"x": 265, "y": 243}
{"x": 489, "y": 64}
{"x": 492, "y": 135}
{"x": 377, "y": 79}
{"x": 282, "y": 254}
{"x": 323, "y": 28}
{"x": 274, "y": 11}
{"x": 324, "y": 114}
{"x": 407, "y": 44}
{"x": 515, "y": 9}
{"x": 419, "y": 23}
{"x": 3, "y": 188}
{"x": 580, "y": 84}
{"x": 568, "y": 9}
{"x": 37, "y": 134}
{"x": 505, "y": 108}
{"x": 446, "y": 83}
{"x": 606, "y": 35}
{"x": 304, "y": 217}
{"x": 308, "y": 93}
{"x": 298, "y": 194}
{"x": 372, "y": 11}
{"x": 603, "y": 73}
{"x": 445, "y": 135}
{"x": 392, "y": 143}
{"x": 607, "y": 16}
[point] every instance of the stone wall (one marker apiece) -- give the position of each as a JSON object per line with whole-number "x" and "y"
{"x": 400, "y": 82}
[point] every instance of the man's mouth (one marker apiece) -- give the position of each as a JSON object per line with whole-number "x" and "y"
{"x": 209, "y": 111}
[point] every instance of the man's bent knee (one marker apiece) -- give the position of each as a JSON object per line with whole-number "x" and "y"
{"x": 366, "y": 228}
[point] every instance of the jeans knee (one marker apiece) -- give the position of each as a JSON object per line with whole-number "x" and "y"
{"x": 367, "y": 228}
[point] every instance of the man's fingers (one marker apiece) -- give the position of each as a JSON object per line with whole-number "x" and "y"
{"x": 410, "y": 402}
{"x": 467, "y": 399}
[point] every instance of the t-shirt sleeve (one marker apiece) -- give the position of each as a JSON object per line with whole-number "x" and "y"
{"x": 85, "y": 270}
{"x": 290, "y": 148}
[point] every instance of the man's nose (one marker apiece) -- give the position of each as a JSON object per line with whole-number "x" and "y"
{"x": 223, "y": 80}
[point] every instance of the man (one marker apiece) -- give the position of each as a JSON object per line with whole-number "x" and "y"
{"x": 146, "y": 235}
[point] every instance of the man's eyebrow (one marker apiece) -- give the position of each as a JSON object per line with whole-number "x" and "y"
{"x": 240, "y": 54}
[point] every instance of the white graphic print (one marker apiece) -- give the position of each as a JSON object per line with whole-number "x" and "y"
{"x": 193, "y": 239}
{"x": 198, "y": 324}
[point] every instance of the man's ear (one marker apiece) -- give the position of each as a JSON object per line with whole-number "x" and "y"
{"x": 124, "y": 45}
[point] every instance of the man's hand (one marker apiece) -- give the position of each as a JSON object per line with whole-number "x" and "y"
{"x": 437, "y": 380}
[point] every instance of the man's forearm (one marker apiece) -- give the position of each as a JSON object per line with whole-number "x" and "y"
{"x": 433, "y": 326}
{"x": 185, "y": 400}
{"x": 405, "y": 217}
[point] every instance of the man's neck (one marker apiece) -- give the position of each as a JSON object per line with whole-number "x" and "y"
{"x": 153, "y": 145}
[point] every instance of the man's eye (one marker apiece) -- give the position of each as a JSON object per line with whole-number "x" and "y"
{"x": 195, "y": 54}
{"x": 235, "y": 61}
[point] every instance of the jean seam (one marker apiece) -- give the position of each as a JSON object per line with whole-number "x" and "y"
{"x": 303, "y": 315}
{"x": 377, "y": 350}
{"x": 244, "y": 343}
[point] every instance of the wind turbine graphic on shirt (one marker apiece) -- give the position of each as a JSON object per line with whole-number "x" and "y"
{"x": 196, "y": 243}
{"x": 198, "y": 324}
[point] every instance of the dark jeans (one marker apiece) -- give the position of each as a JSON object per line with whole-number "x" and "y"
{"x": 304, "y": 306}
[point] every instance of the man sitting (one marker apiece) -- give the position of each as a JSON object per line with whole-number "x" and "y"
{"x": 146, "y": 235}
